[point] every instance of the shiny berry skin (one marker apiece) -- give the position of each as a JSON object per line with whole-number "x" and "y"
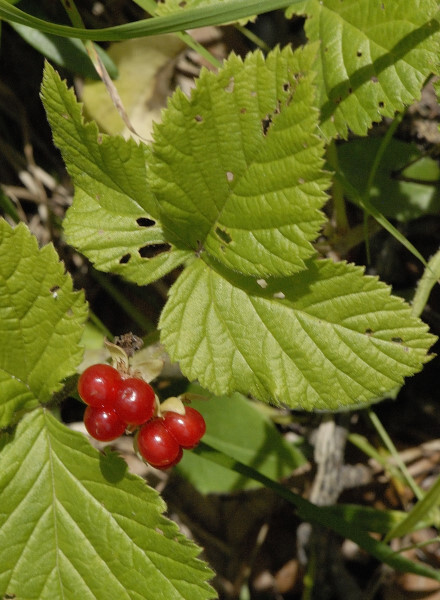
{"x": 175, "y": 461}
{"x": 103, "y": 424}
{"x": 187, "y": 429}
{"x": 156, "y": 444}
{"x": 134, "y": 401}
{"x": 97, "y": 385}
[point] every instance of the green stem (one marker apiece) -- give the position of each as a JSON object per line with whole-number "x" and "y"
{"x": 216, "y": 14}
{"x": 418, "y": 493}
{"x": 72, "y": 12}
{"x": 380, "y": 152}
{"x": 372, "y": 174}
{"x": 254, "y": 38}
{"x": 339, "y": 208}
{"x": 150, "y": 7}
{"x": 372, "y": 210}
{"x": 8, "y": 207}
{"x": 429, "y": 278}
{"x": 76, "y": 20}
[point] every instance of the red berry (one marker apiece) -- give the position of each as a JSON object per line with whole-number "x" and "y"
{"x": 97, "y": 385}
{"x": 134, "y": 401}
{"x": 156, "y": 444}
{"x": 103, "y": 424}
{"x": 187, "y": 429}
{"x": 175, "y": 461}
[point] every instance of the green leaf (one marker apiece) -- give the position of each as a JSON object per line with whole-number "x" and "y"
{"x": 236, "y": 426}
{"x": 237, "y": 167}
{"x": 113, "y": 217}
{"x": 374, "y": 57}
{"x": 74, "y": 524}
{"x": 41, "y": 322}
{"x": 406, "y": 183}
{"x": 326, "y": 338}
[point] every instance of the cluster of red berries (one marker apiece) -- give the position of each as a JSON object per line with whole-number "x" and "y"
{"x": 115, "y": 403}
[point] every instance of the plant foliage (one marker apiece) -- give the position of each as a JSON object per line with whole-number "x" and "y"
{"x": 323, "y": 336}
{"x": 231, "y": 192}
{"x": 373, "y": 59}
{"x": 41, "y": 323}
{"x": 81, "y": 526}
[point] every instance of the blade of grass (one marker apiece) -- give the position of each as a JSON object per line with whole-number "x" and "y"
{"x": 372, "y": 174}
{"x": 322, "y": 515}
{"x": 364, "y": 445}
{"x": 425, "y": 509}
{"x": 418, "y": 493}
{"x": 8, "y": 207}
{"x": 339, "y": 208}
{"x": 252, "y": 37}
{"x": 217, "y": 14}
{"x": 429, "y": 278}
{"x": 372, "y": 210}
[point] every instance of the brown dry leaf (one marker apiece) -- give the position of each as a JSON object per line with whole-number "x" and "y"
{"x": 408, "y": 586}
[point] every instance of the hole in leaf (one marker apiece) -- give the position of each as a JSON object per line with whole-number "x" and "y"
{"x": 182, "y": 4}
{"x": 279, "y": 295}
{"x": 99, "y": 139}
{"x": 153, "y": 250}
{"x": 397, "y": 340}
{"x": 301, "y": 180}
{"x": 358, "y": 53}
{"x": 199, "y": 118}
{"x": 54, "y": 291}
{"x": 374, "y": 79}
{"x": 145, "y": 222}
{"x": 262, "y": 283}
{"x": 230, "y": 87}
{"x": 229, "y": 176}
{"x": 381, "y": 104}
{"x": 369, "y": 331}
{"x": 266, "y": 123}
{"x": 223, "y": 235}
{"x": 286, "y": 86}
{"x": 243, "y": 111}
{"x": 350, "y": 90}
{"x": 124, "y": 259}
